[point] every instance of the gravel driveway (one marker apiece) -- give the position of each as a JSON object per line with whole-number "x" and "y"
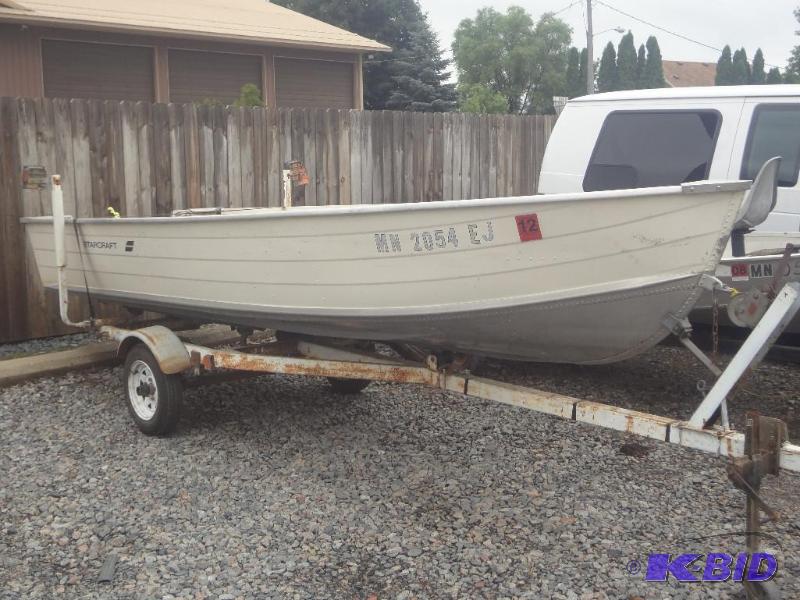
{"x": 277, "y": 488}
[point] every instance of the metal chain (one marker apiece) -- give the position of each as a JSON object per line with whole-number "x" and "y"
{"x": 715, "y": 327}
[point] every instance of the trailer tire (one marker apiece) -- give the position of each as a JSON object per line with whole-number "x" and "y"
{"x": 154, "y": 398}
{"x": 348, "y": 386}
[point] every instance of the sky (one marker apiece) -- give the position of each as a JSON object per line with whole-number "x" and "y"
{"x": 768, "y": 24}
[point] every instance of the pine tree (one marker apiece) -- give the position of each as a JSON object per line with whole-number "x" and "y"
{"x": 654, "y": 68}
{"x": 584, "y": 59}
{"x": 758, "y": 76}
{"x": 414, "y": 76}
{"x": 724, "y": 68}
{"x": 575, "y": 85}
{"x": 626, "y": 63}
{"x": 641, "y": 63}
{"x": 741, "y": 68}
{"x": 607, "y": 76}
{"x": 774, "y": 76}
{"x": 418, "y": 83}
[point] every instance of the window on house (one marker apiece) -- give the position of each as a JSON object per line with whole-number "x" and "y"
{"x": 314, "y": 83}
{"x": 639, "y": 149}
{"x": 211, "y": 76}
{"x": 100, "y": 71}
{"x": 774, "y": 131}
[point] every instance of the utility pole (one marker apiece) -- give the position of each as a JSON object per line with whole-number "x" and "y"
{"x": 589, "y": 49}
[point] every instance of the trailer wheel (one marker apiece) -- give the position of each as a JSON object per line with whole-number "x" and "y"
{"x": 348, "y": 386}
{"x": 154, "y": 399}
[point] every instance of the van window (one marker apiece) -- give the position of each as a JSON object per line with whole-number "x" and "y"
{"x": 639, "y": 149}
{"x": 774, "y": 131}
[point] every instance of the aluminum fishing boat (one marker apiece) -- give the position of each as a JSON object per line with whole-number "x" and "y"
{"x": 579, "y": 278}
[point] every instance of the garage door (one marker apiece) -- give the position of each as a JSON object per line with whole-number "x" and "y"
{"x": 195, "y": 76}
{"x": 314, "y": 83}
{"x": 101, "y": 71}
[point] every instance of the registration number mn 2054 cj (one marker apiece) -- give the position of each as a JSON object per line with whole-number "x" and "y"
{"x": 457, "y": 236}
{"x": 454, "y": 237}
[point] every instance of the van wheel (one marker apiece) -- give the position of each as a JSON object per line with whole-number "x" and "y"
{"x": 154, "y": 399}
{"x": 348, "y": 386}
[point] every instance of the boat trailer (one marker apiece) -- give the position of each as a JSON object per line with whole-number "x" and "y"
{"x": 155, "y": 359}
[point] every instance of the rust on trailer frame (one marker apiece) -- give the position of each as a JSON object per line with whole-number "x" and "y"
{"x": 239, "y": 361}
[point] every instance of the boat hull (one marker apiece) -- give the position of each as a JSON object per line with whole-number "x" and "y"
{"x": 582, "y": 278}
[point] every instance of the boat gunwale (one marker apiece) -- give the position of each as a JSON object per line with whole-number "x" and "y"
{"x": 258, "y": 213}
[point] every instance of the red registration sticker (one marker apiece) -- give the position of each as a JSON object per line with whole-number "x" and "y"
{"x": 740, "y": 272}
{"x": 528, "y": 227}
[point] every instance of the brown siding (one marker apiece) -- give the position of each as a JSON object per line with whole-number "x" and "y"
{"x": 98, "y": 71}
{"x": 197, "y": 75}
{"x": 20, "y": 62}
{"x": 314, "y": 83}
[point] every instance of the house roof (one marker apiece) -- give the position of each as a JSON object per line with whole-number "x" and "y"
{"x": 681, "y": 73}
{"x": 250, "y": 21}
{"x": 725, "y": 91}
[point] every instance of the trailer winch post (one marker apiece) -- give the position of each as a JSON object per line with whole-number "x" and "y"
{"x": 59, "y": 227}
{"x": 755, "y": 347}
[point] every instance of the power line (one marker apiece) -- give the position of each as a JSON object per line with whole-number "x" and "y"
{"x": 683, "y": 37}
{"x": 665, "y": 30}
{"x": 567, "y": 7}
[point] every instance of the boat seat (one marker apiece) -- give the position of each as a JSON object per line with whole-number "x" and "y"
{"x": 761, "y": 198}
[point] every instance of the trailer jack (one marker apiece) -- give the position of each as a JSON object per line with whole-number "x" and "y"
{"x": 763, "y": 439}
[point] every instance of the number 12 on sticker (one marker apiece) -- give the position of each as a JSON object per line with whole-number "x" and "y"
{"x": 528, "y": 227}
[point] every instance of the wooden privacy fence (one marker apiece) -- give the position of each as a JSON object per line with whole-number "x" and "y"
{"x": 149, "y": 159}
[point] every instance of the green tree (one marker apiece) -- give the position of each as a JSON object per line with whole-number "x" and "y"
{"x": 741, "y": 68}
{"x": 641, "y": 64}
{"x": 758, "y": 76}
{"x": 553, "y": 38}
{"x": 607, "y": 75}
{"x": 724, "y": 68}
{"x": 774, "y": 76}
{"x": 510, "y": 54}
{"x": 653, "y": 68}
{"x": 414, "y": 76}
{"x": 627, "y": 63}
{"x": 793, "y": 67}
{"x": 478, "y": 98}
{"x": 249, "y": 95}
{"x": 575, "y": 85}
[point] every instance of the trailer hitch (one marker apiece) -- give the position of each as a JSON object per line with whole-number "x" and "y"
{"x": 764, "y": 438}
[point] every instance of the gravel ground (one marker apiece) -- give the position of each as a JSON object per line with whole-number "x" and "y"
{"x": 276, "y": 488}
{"x": 44, "y": 345}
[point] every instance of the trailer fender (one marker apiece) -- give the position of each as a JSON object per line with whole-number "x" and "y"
{"x": 166, "y": 347}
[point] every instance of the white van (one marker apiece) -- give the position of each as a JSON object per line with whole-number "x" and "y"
{"x": 646, "y": 138}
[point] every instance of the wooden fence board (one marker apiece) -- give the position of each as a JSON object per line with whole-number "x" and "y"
{"x": 273, "y": 157}
{"x": 355, "y": 157}
{"x": 162, "y": 160}
{"x": 343, "y": 156}
{"x": 246, "y": 156}
{"x": 145, "y": 159}
{"x": 130, "y": 159}
{"x": 81, "y": 158}
{"x": 178, "y": 162}
{"x": 232, "y": 141}
{"x": 409, "y": 179}
{"x": 387, "y": 157}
